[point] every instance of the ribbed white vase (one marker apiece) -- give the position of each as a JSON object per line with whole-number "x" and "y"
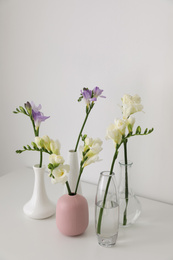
{"x": 74, "y": 172}
{"x": 39, "y": 206}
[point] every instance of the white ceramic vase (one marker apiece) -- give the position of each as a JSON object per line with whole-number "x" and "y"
{"x": 39, "y": 206}
{"x": 74, "y": 172}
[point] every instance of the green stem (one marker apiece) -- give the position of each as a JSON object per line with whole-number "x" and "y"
{"x": 68, "y": 188}
{"x": 36, "y": 131}
{"x": 126, "y": 183}
{"x": 33, "y": 124}
{"x": 80, "y": 173}
{"x": 87, "y": 114}
{"x": 41, "y": 159}
{"x": 106, "y": 191}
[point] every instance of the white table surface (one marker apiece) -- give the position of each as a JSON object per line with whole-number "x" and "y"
{"x": 22, "y": 238}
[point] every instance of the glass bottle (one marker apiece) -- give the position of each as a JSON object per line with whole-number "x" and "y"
{"x": 106, "y": 210}
{"x": 130, "y": 207}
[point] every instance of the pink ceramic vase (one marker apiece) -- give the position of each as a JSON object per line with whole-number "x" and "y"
{"x": 72, "y": 215}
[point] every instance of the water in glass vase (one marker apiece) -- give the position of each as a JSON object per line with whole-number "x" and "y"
{"x": 109, "y": 223}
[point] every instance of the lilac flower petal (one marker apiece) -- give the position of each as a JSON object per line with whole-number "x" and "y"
{"x": 97, "y": 92}
{"x": 38, "y": 118}
{"x": 87, "y": 94}
{"x": 93, "y": 99}
{"x": 34, "y": 107}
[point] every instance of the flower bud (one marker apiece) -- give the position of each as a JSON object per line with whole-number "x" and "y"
{"x": 39, "y": 142}
{"x": 28, "y": 108}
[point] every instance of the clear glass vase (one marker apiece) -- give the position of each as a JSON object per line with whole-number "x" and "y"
{"x": 130, "y": 207}
{"x": 107, "y": 210}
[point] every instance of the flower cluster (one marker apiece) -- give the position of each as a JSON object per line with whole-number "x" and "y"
{"x": 117, "y": 130}
{"x": 35, "y": 113}
{"x": 89, "y": 152}
{"x": 89, "y": 96}
{"x": 46, "y": 143}
{"x": 117, "y": 133}
{"x": 58, "y": 170}
{"x": 36, "y": 117}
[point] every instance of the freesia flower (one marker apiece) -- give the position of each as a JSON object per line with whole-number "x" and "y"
{"x": 97, "y": 93}
{"x": 116, "y": 131}
{"x": 56, "y": 159}
{"x": 37, "y": 115}
{"x": 55, "y": 147}
{"x": 38, "y": 118}
{"x": 39, "y": 142}
{"x": 87, "y": 95}
{"x": 46, "y": 142}
{"x": 131, "y": 105}
{"x": 120, "y": 124}
{"x": 60, "y": 174}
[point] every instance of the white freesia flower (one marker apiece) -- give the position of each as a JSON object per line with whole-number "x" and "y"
{"x": 116, "y": 131}
{"x": 92, "y": 159}
{"x": 55, "y": 147}
{"x": 94, "y": 147}
{"x": 60, "y": 174}
{"x": 56, "y": 159}
{"x": 131, "y": 105}
{"x": 114, "y": 134}
{"x": 39, "y": 142}
{"x": 120, "y": 125}
{"x": 46, "y": 140}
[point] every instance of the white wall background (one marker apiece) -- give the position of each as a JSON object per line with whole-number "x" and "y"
{"x": 50, "y": 49}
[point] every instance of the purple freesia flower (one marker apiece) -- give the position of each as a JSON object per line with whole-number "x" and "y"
{"x": 97, "y": 93}
{"x": 91, "y": 95}
{"x": 87, "y": 95}
{"x": 37, "y": 115}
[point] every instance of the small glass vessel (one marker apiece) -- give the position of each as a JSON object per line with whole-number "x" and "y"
{"x": 130, "y": 207}
{"x": 107, "y": 210}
